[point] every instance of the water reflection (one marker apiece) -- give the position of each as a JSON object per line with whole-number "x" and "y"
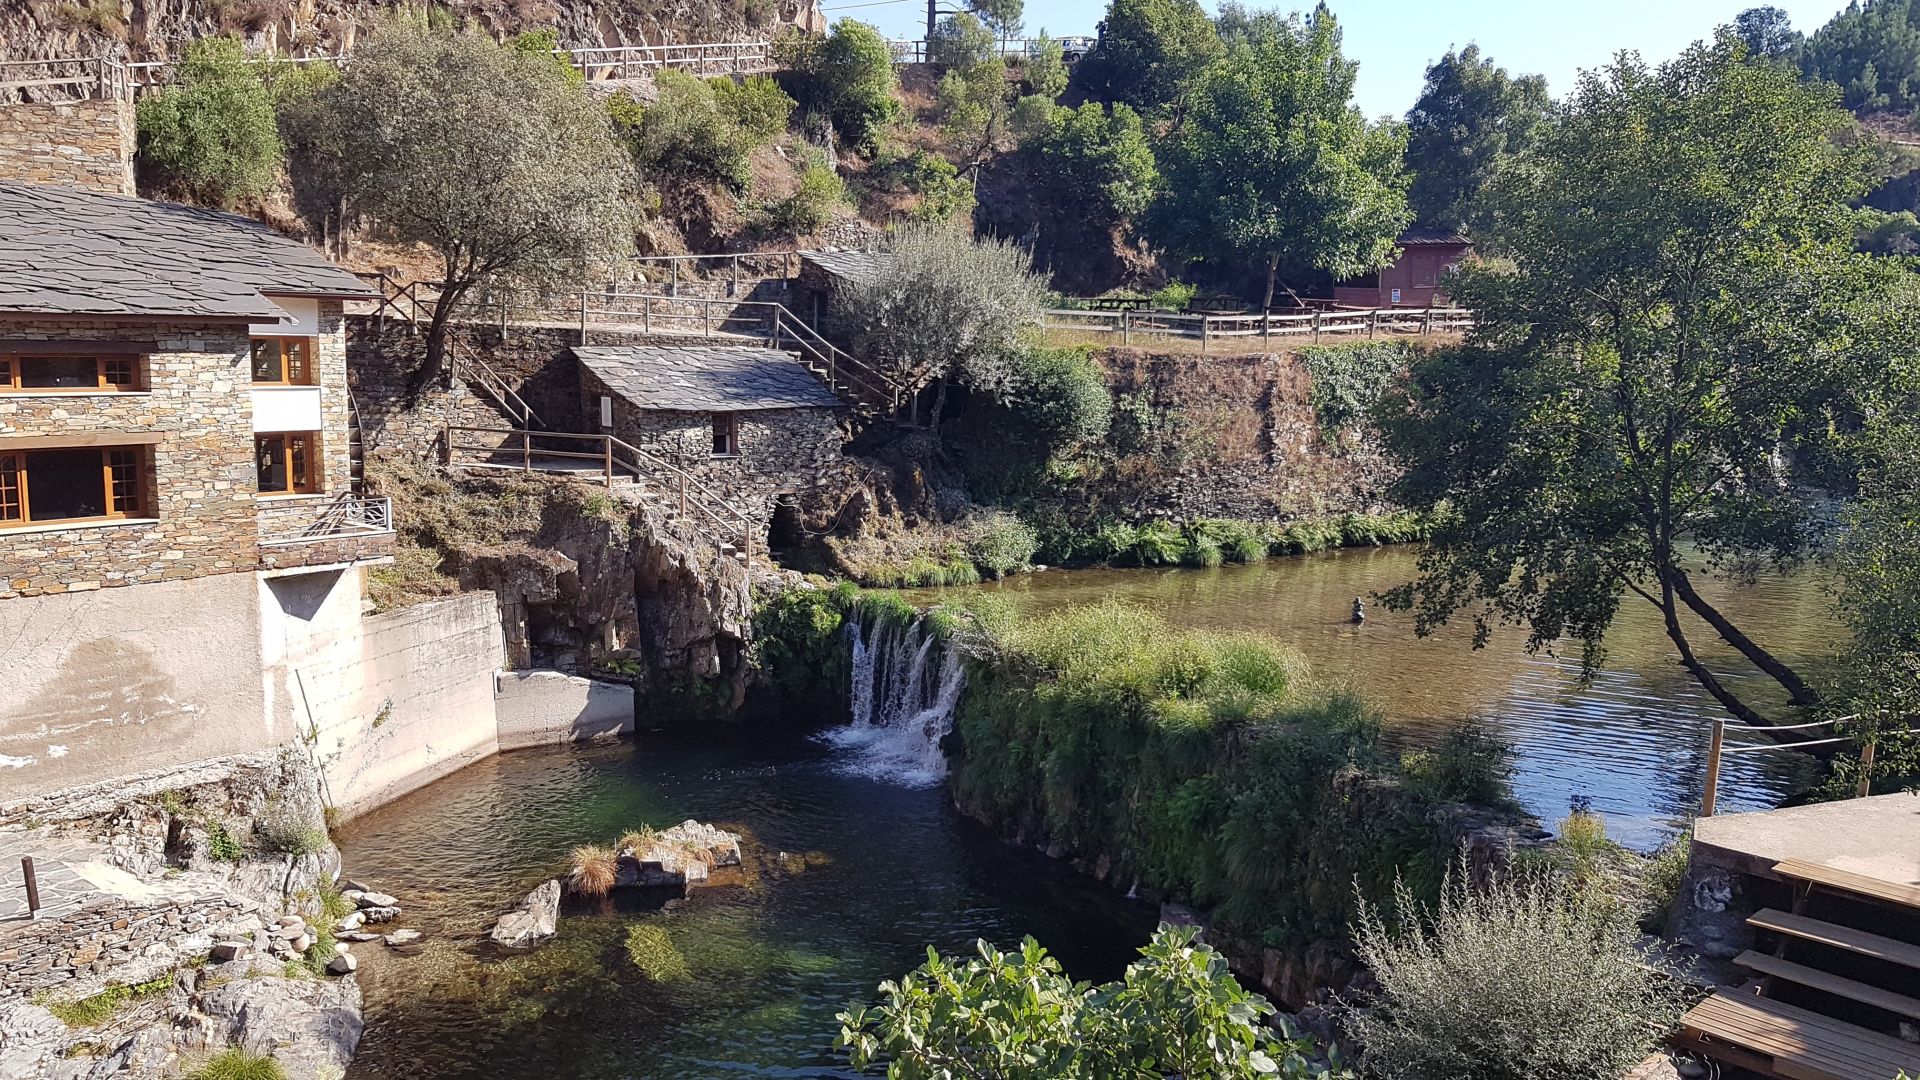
{"x": 1633, "y": 739}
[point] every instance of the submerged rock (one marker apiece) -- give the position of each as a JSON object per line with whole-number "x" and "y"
{"x": 401, "y": 937}
{"x": 535, "y": 920}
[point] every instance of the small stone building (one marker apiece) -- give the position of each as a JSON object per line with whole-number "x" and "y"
{"x": 751, "y": 425}
{"x": 823, "y": 274}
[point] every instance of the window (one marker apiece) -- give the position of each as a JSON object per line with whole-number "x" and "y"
{"x": 283, "y": 361}
{"x": 288, "y": 464}
{"x": 81, "y": 484}
{"x": 726, "y": 435}
{"x": 41, "y": 374}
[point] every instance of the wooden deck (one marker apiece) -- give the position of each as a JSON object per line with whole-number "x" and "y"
{"x": 1783, "y": 1040}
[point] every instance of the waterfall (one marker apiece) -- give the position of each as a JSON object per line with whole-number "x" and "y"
{"x": 905, "y": 686}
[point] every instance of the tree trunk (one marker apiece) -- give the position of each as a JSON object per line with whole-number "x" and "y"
{"x": 939, "y": 405}
{"x": 1670, "y": 615}
{"x": 1802, "y": 694}
{"x": 435, "y": 362}
{"x": 1273, "y": 269}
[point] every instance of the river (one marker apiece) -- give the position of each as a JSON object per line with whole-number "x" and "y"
{"x": 875, "y": 869}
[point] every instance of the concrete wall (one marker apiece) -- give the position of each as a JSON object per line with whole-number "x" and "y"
{"x": 85, "y": 143}
{"x": 407, "y": 701}
{"x": 540, "y": 708}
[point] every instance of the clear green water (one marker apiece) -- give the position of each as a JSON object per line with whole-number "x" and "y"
{"x": 894, "y": 868}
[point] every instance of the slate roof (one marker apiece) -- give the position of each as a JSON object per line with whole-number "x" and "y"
{"x": 68, "y": 251}
{"x": 850, "y": 265}
{"x": 1422, "y": 234}
{"x": 720, "y": 378}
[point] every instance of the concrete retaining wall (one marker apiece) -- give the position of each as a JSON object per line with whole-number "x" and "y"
{"x": 540, "y": 708}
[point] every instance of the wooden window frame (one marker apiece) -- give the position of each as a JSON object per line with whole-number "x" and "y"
{"x": 13, "y": 375}
{"x": 315, "y": 480}
{"x": 726, "y": 427}
{"x": 15, "y": 496}
{"x": 312, "y": 349}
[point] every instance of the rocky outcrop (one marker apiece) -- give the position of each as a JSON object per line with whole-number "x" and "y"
{"x": 535, "y": 920}
{"x": 683, "y": 855}
{"x": 310, "y": 1026}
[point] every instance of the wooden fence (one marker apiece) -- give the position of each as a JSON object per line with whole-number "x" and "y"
{"x": 1242, "y": 329}
{"x": 70, "y": 77}
{"x": 1717, "y": 749}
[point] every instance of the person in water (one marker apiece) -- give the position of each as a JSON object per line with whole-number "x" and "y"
{"x": 1359, "y": 611}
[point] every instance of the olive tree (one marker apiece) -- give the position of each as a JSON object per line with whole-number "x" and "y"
{"x": 491, "y": 156}
{"x": 1681, "y": 316}
{"x": 946, "y": 307}
{"x": 211, "y": 136}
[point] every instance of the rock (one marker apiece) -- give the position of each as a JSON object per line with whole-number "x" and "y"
{"x": 1692, "y": 1070}
{"x": 342, "y": 964}
{"x": 301, "y": 944}
{"x": 288, "y": 932}
{"x": 349, "y": 885}
{"x": 380, "y": 914}
{"x": 30, "y": 1041}
{"x": 290, "y": 920}
{"x": 230, "y": 950}
{"x": 401, "y": 937}
{"x": 359, "y": 935}
{"x": 535, "y": 920}
{"x": 375, "y": 899}
{"x": 351, "y": 922}
{"x": 310, "y": 1026}
{"x": 353, "y": 893}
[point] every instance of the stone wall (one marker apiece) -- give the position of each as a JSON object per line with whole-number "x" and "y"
{"x": 86, "y": 143}
{"x": 782, "y": 451}
{"x": 106, "y": 934}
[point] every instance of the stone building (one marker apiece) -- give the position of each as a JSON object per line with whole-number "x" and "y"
{"x": 821, "y": 277}
{"x": 750, "y": 425}
{"x": 178, "y": 533}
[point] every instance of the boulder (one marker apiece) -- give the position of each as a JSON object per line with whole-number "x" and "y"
{"x": 535, "y": 920}
{"x": 375, "y": 899}
{"x": 681, "y": 855}
{"x": 342, "y": 963}
{"x": 359, "y": 935}
{"x": 310, "y": 1025}
{"x": 402, "y": 937}
{"x": 351, "y": 922}
{"x": 302, "y": 943}
{"x": 30, "y": 1041}
{"x": 349, "y": 885}
{"x": 380, "y": 914}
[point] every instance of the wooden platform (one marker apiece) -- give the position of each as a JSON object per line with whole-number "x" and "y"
{"x": 1787, "y": 1041}
{"x": 1877, "y": 838}
{"x": 1848, "y": 882}
{"x": 1859, "y": 942}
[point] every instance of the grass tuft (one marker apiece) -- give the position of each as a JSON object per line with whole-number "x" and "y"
{"x": 236, "y": 1064}
{"x": 595, "y": 869}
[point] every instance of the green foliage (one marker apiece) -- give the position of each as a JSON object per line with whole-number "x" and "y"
{"x": 544, "y": 44}
{"x": 333, "y": 905}
{"x": 234, "y": 1063}
{"x": 961, "y": 41}
{"x": 1768, "y": 34}
{"x": 222, "y": 846}
{"x": 1166, "y": 543}
{"x": 1470, "y": 119}
{"x": 944, "y": 196}
{"x": 1682, "y": 303}
{"x": 324, "y": 948}
{"x": 797, "y": 645}
{"x": 1469, "y": 764}
{"x": 1178, "y": 1011}
{"x": 946, "y": 305}
{"x": 280, "y": 829}
{"x": 974, "y": 98}
{"x": 811, "y": 207}
{"x": 706, "y": 128}
{"x": 1097, "y": 160}
{"x": 1173, "y": 296}
{"x": 1000, "y": 544}
{"x": 651, "y": 949}
{"x": 1349, "y": 380}
{"x": 1062, "y": 395}
{"x": 1517, "y": 980}
{"x": 211, "y": 136}
{"x": 1872, "y": 52}
{"x": 1150, "y": 52}
{"x": 1273, "y": 164}
{"x": 1046, "y": 69}
{"x": 846, "y": 79}
{"x": 99, "y": 1008}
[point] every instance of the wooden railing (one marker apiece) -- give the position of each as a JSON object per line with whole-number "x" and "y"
{"x": 533, "y": 451}
{"x": 79, "y": 77}
{"x": 703, "y": 267}
{"x": 1717, "y": 749}
{"x": 1377, "y": 322}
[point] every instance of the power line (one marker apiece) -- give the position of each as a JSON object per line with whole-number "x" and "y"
{"x": 871, "y": 3}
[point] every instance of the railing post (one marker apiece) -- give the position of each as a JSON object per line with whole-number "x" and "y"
{"x": 526, "y": 450}
{"x": 683, "y": 494}
{"x": 733, "y": 284}
{"x": 606, "y": 447}
{"x": 673, "y": 285}
{"x": 1316, "y": 326}
{"x": 646, "y": 313}
{"x": 1373, "y": 323}
{"x": 1206, "y": 333}
{"x": 1866, "y": 772}
{"x": 583, "y": 316}
{"x": 1711, "y": 795}
{"x": 1266, "y": 330}
{"x": 1426, "y": 323}
{"x": 33, "y": 886}
{"x": 1126, "y": 327}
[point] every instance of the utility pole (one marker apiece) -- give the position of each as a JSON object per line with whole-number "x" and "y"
{"x": 932, "y": 14}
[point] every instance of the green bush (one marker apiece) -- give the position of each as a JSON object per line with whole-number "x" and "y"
{"x": 810, "y": 208}
{"x": 1000, "y": 544}
{"x": 845, "y": 79}
{"x": 211, "y": 137}
{"x": 236, "y": 1064}
{"x": 1347, "y": 381}
{"x": 1202, "y": 551}
{"x": 705, "y": 128}
{"x": 1173, "y": 296}
{"x": 321, "y": 952}
{"x": 98, "y": 1008}
{"x": 1158, "y": 543}
{"x": 1467, "y": 765}
{"x": 1519, "y": 980}
{"x": 943, "y": 193}
{"x": 281, "y": 830}
{"x": 222, "y": 846}
{"x": 1061, "y": 394}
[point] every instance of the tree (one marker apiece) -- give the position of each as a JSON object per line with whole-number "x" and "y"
{"x": 211, "y": 137}
{"x": 946, "y": 307}
{"x": 1682, "y": 305}
{"x": 708, "y": 128}
{"x": 1872, "y": 52}
{"x": 1150, "y": 52}
{"x": 845, "y": 79}
{"x": 1274, "y": 164}
{"x": 1767, "y": 32}
{"x": 1096, "y": 161}
{"x": 1046, "y": 71}
{"x": 974, "y": 96}
{"x": 490, "y": 156}
{"x": 1178, "y": 1011}
{"x": 1470, "y": 119}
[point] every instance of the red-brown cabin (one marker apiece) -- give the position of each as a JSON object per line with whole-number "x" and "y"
{"x": 1413, "y": 280}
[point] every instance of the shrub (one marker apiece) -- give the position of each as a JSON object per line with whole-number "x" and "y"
{"x": 1202, "y": 551}
{"x": 1173, "y": 296}
{"x": 705, "y": 127}
{"x": 845, "y": 79}
{"x": 1001, "y": 544}
{"x": 1469, "y": 764}
{"x": 1347, "y": 381}
{"x": 1097, "y": 161}
{"x": 1177, "y": 1012}
{"x": 236, "y": 1064}
{"x": 651, "y": 949}
{"x": 944, "y": 195}
{"x": 211, "y": 137}
{"x": 810, "y": 208}
{"x": 1660, "y": 879}
{"x": 221, "y": 844}
{"x": 1158, "y": 543}
{"x": 280, "y": 829}
{"x": 1062, "y": 395}
{"x": 594, "y": 870}
{"x": 638, "y": 841}
{"x": 1521, "y": 980}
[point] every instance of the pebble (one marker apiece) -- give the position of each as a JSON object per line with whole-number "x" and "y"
{"x": 402, "y": 937}
{"x": 359, "y": 935}
{"x": 351, "y": 922}
{"x": 292, "y": 920}
{"x": 302, "y": 943}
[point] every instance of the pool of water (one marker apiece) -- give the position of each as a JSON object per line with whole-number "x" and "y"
{"x": 874, "y": 872}
{"x": 1633, "y": 739}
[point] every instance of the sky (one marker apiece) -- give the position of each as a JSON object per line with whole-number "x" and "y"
{"x": 1395, "y": 40}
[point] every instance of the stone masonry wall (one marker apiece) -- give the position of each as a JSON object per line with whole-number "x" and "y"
{"x": 86, "y": 143}
{"x": 104, "y": 935}
{"x": 201, "y": 419}
{"x": 781, "y": 450}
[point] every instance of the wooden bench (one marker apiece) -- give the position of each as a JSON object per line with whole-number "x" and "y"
{"x": 1791, "y": 1042}
{"x": 1872, "y": 888}
{"x": 1854, "y": 941}
{"x": 1828, "y": 982}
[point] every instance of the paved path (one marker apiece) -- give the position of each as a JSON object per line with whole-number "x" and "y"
{"x": 57, "y": 864}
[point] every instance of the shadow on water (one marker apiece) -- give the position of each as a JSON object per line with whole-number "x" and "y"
{"x": 1634, "y": 739}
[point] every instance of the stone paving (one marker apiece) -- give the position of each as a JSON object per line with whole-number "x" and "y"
{"x": 56, "y": 863}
